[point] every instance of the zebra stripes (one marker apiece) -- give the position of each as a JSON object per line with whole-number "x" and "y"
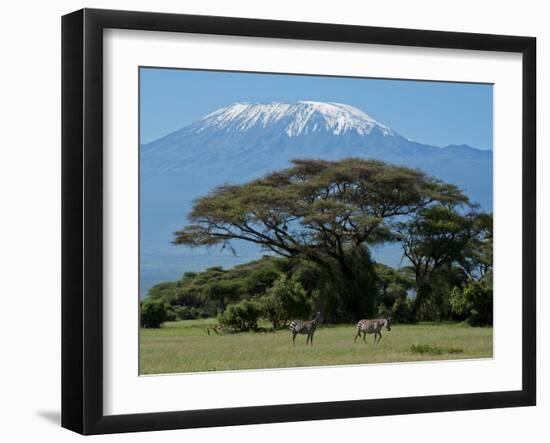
{"x": 374, "y": 326}
{"x": 304, "y": 327}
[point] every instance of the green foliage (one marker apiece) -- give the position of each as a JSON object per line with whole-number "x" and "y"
{"x": 358, "y": 291}
{"x": 434, "y": 237}
{"x": 223, "y": 291}
{"x": 171, "y": 314}
{"x": 434, "y": 240}
{"x": 435, "y": 350}
{"x": 393, "y": 286}
{"x": 320, "y": 219}
{"x": 477, "y": 258}
{"x": 322, "y": 287}
{"x": 353, "y": 199}
{"x": 210, "y": 291}
{"x": 163, "y": 291}
{"x": 189, "y": 312}
{"x": 152, "y": 313}
{"x": 436, "y": 293}
{"x": 394, "y": 292}
{"x": 402, "y": 311}
{"x": 261, "y": 279}
{"x": 286, "y": 300}
{"x": 474, "y": 301}
{"x": 382, "y": 311}
{"x": 328, "y": 212}
{"x": 308, "y": 274}
{"x": 242, "y": 316}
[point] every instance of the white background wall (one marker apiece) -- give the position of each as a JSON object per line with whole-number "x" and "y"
{"x": 30, "y": 217}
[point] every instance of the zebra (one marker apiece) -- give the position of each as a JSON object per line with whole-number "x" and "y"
{"x": 372, "y": 327}
{"x": 304, "y": 327}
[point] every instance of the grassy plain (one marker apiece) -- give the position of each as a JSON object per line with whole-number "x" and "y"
{"x": 185, "y": 346}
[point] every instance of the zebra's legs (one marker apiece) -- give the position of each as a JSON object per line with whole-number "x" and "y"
{"x": 311, "y": 339}
{"x": 358, "y": 334}
{"x": 365, "y": 336}
{"x": 294, "y": 338}
{"x": 379, "y": 334}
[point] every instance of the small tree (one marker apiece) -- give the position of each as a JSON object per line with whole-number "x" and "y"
{"x": 241, "y": 316}
{"x": 153, "y": 313}
{"x": 222, "y": 292}
{"x": 286, "y": 300}
{"x": 435, "y": 238}
{"x": 475, "y": 302}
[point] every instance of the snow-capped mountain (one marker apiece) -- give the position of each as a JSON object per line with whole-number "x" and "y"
{"x": 262, "y": 131}
{"x": 294, "y": 119}
{"x": 244, "y": 141}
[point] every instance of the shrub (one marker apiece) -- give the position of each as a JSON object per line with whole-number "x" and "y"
{"x": 153, "y": 313}
{"x": 272, "y": 310}
{"x": 171, "y": 314}
{"x": 286, "y": 300}
{"x": 475, "y": 302}
{"x": 435, "y": 350}
{"x": 241, "y": 316}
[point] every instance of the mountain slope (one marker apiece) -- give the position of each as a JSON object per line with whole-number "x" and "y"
{"x": 245, "y": 140}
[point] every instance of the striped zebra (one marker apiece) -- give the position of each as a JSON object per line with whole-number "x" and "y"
{"x": 372, "y": 327}
{"x": 304, "y": 327}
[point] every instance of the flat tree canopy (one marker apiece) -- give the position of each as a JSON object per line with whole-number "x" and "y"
{"x": 322, "y": 211}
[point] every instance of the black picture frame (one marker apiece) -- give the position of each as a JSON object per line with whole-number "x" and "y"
{"x": 82, "y": 218}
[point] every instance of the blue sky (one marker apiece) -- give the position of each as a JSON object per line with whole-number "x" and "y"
{"x": 436, "y": 113}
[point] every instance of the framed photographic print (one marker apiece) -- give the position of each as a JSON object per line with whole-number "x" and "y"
{"x": 269, "y": 221}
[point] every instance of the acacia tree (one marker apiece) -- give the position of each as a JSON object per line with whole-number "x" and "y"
{"x": 436, "y": 237}
{"x": 328, "y": 212}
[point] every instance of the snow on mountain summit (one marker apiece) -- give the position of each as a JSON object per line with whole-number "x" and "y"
{"x": 294, "y": 118}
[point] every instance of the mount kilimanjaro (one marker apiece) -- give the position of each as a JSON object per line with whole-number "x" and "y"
{"x": 244, "y": 141}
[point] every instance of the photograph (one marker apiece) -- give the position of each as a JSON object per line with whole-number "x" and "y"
{"x": 236, "y": 221}
{"x": 299, "y": 220}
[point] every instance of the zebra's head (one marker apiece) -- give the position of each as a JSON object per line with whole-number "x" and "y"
{"x": 317, "y": 317}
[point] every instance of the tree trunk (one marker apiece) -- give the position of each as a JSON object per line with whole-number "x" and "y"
{"x": 422, "y": 293}
{"x": 358, "y": 289}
